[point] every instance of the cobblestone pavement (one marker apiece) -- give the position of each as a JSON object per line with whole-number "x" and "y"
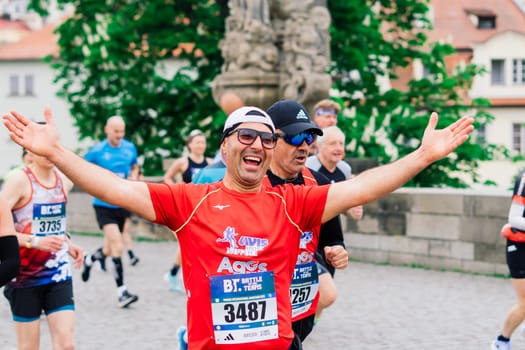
{"x": 378, "y": 307}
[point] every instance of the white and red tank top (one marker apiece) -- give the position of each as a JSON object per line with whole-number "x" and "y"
{"x": 43, "y": 215}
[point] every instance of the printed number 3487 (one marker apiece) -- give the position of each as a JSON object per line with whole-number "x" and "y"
{"x": 251, "y": 311}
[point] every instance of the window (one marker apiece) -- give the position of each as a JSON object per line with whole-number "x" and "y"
{"x": 518, "y": 71}
{"x": 421, "y": 71}
{"x": 480, "y": 134}
{"x": 488, "y": 22}
{"x": 14, "y": 85}
{"x": 497, "y": 72}
{"x": 482, "y": 18}
{"x": 16, "y": 88}
{"x": 426, "y": 72}
{"x": 518, "y": 136}
{"x": 29, "y": 85}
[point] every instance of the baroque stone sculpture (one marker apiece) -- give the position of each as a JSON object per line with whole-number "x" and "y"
{"x": 275, "y": 49}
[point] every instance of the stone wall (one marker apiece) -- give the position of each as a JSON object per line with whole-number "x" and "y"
{"x": 436, "y": 228}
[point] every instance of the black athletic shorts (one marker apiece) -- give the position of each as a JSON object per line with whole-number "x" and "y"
{"x": 322, "y": 265}
{"x": 302, "y": 328}
{"x": 107, "y": 216}
{"x": 515, "y": 253}
{"x": 27, "y": 303}
{"x": 296, "y": 343}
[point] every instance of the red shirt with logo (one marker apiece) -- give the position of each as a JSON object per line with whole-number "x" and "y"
{"x": 304, "y": 290}
{"x": 238, "y": 251}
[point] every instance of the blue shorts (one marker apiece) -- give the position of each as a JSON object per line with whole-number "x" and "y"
{"x": 28, "y": 303}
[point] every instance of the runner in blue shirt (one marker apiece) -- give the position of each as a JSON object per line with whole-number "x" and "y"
{"x": 120, "y": 157}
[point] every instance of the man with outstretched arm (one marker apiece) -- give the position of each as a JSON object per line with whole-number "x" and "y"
{"x": 238, "y": 272}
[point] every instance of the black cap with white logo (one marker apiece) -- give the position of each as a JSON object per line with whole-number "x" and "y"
{"x": 291, "y": 117}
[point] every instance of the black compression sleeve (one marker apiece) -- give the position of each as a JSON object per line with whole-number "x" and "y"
{"x": 9, "y": 258}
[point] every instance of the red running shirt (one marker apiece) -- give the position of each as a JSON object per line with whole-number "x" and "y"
{"x": 238, "y": 251}
{"x": 304, "y": 290}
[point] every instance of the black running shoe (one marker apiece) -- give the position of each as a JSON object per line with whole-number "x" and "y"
{"x": 85, "y": 271}
{"x": 134, "y": 261}
{"x": 102, "y": 263}
{"x": 126, "y": 299}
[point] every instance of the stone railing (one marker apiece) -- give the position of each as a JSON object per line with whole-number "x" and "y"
{"x": 435, "y": 228}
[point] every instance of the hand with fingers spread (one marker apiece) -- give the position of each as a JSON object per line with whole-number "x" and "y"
{"x": 438, "y": 143}
{"x": 38, "y": 138}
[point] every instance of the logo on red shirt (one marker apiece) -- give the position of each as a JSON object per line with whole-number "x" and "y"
{"x": 244, "y": 245}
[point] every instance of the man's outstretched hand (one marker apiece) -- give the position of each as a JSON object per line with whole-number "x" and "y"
{"x": 437, "y": 144}
{"x": 37, "y": 138}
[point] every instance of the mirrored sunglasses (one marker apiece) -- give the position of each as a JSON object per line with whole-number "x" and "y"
{"x": 325, "y": 111}
{"x": 298, "y": 139}
{"x": 248, "y": 137}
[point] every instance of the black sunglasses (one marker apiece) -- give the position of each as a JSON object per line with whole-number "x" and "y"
{"x": 248, "y": 137}
{"x": 298, "y": 139}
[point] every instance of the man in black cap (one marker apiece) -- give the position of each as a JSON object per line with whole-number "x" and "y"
{"x": 321, "y": 249}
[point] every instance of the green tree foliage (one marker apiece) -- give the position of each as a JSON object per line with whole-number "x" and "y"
{"x": 111, "y": 51}
{"x": 110, "y": 62}
{"x": 372, "y": 41}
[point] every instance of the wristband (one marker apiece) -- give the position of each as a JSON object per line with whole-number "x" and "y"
{"x": 35, "y": 241}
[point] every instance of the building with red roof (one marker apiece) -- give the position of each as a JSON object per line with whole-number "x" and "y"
{"x": 27, "y": 86}
{"x": 489, "y": 33}
{"x": 32, "y": 45}
{"x": 12, "y": 31}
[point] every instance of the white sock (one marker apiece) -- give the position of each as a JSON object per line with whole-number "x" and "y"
{"x": 121, "y": 290}
{"x": 88, "y": 260}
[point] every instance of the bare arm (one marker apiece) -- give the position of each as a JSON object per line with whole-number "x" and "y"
{"x": 378, "y": 182}
{"x": 134, "y": 172}
{"x": 355, "y": 213}
{"x": 178, "y": 166}
{"x": 77, "y": 253}
{"x": 6, "y": 220}
{"x": 99, "y": 182}
{"x": 516, "y": 219}
{"x": 16, "y": 191}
